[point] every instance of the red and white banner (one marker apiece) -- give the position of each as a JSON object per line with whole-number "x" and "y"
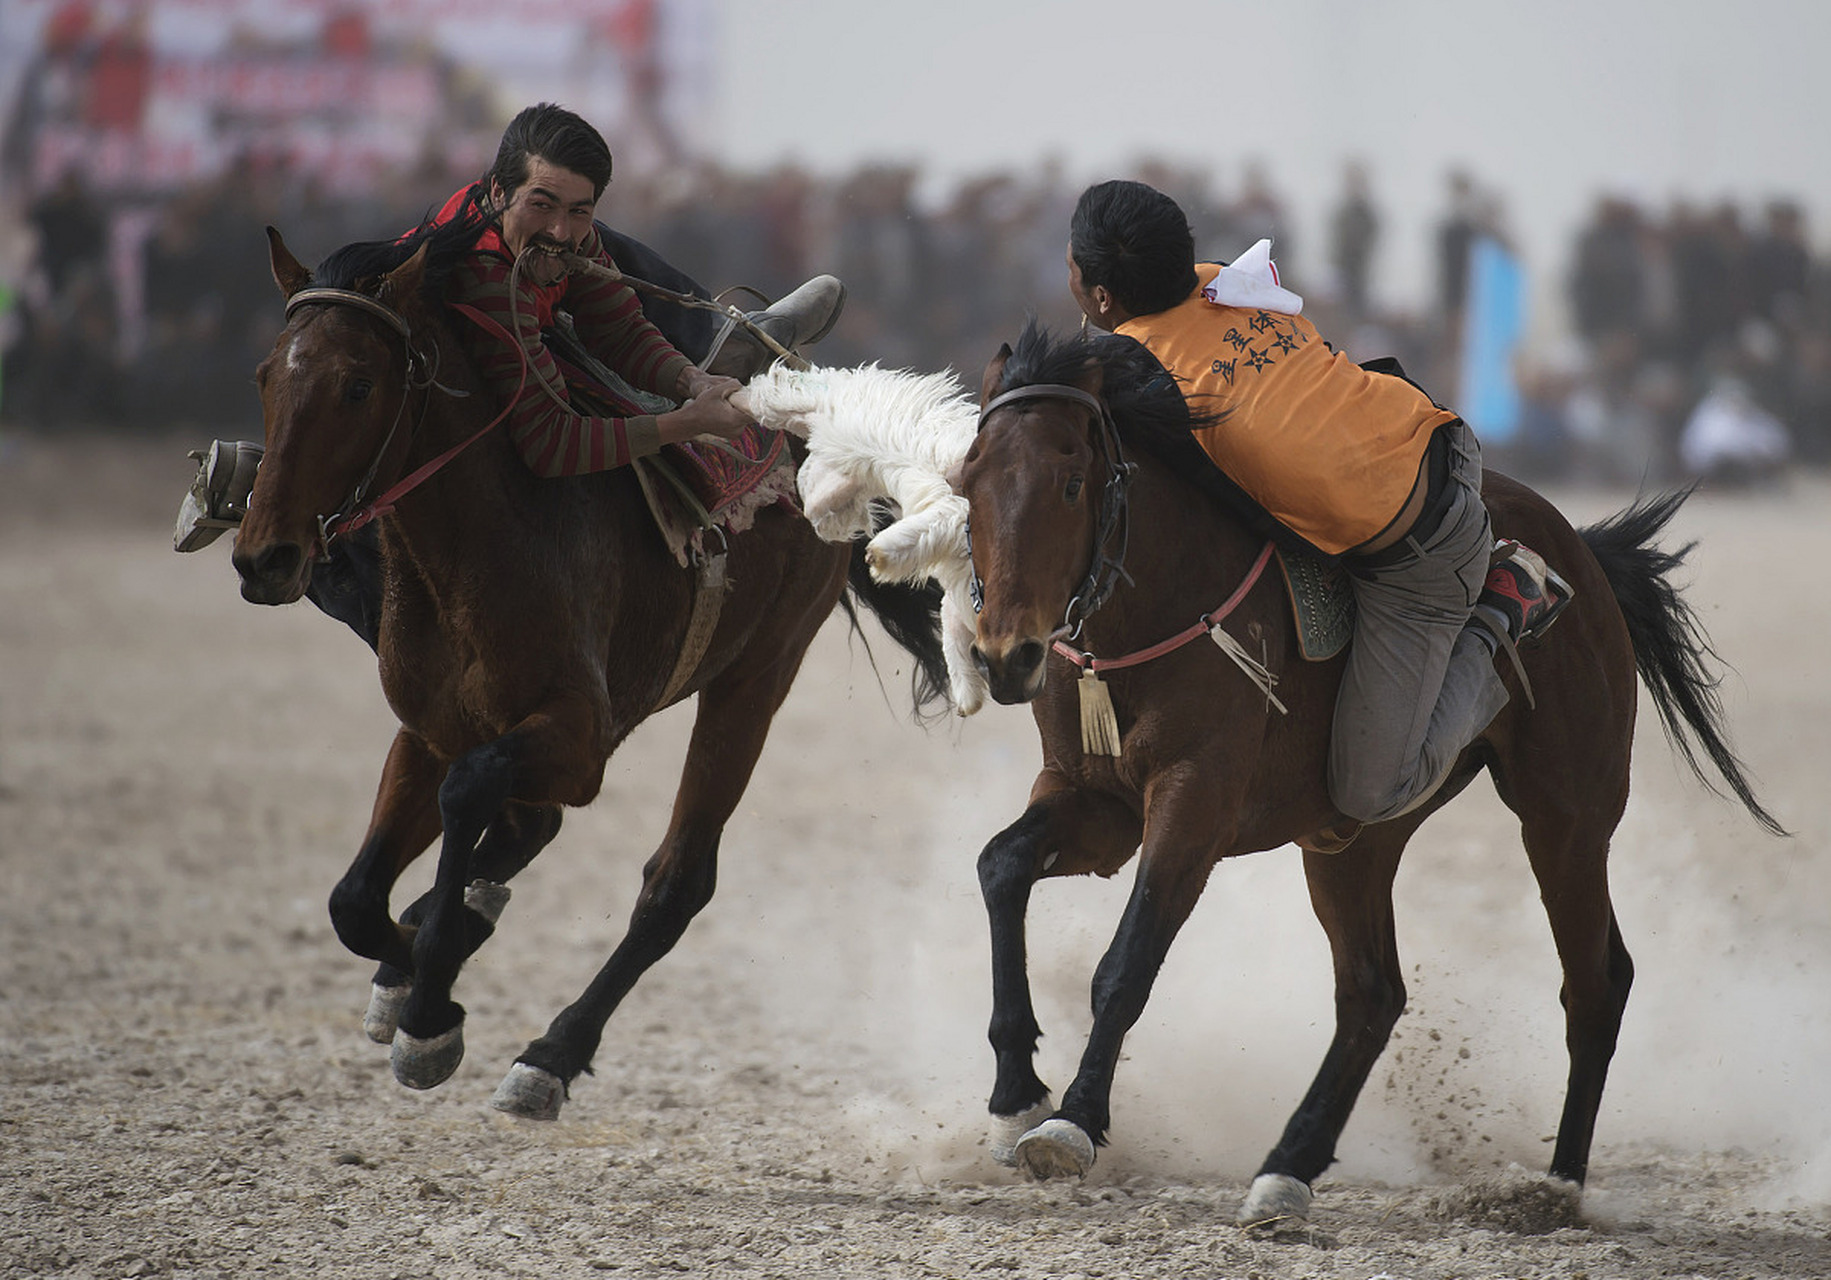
{"x": 149, "y": 96}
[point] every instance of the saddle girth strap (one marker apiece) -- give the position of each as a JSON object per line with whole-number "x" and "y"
{"x": 708, "y": 602}
{"x": 709, "y": 587}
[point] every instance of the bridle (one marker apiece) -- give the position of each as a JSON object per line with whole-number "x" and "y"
{"x": 1112, "y": 531}
{"x": 1108, "y": 566}
{"x": 421, "y": 374}
{"x": 418, "y": 375}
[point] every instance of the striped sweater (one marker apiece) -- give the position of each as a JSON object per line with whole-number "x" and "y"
{"x": 551, "y": 438}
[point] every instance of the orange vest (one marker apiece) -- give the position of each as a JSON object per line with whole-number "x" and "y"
{"x": 1328, "y": 448}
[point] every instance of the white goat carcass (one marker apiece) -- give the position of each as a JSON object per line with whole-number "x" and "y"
{"x": 891, "y": 434}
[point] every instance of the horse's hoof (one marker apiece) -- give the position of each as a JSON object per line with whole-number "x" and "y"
{"x": 383, "y": 1016}
{"x": 1007, "y": 1131}
{"x": 530, "y": 1093}
{"x": 1055, "y": 1149}
{"x": 486, "y": 898}
{"x": 1275, "y": 1198}
{"x": 426, "y": 1064}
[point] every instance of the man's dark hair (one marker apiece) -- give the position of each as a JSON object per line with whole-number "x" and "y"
{"x": 1135, "y": 241}
{"x": 557, "y": 136}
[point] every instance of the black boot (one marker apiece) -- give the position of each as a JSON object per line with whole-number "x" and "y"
{"x": 346, "y": 584}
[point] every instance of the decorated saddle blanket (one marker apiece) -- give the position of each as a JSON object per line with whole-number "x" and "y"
{"x": 1322, "y": 602}
{"x": 691, "y": 488}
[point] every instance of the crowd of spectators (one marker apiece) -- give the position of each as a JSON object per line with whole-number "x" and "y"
{"x": 1700, "y": 345}
{"x": 1704, "y": 343}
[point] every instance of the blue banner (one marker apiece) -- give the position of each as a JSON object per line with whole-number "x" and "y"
{"x": 1494, "y": 319}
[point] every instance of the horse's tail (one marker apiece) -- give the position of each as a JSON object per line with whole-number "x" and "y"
{"x": 1671, "y": 650}
{"x": 911, "y": 616}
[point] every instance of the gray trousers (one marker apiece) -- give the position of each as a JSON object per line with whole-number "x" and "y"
{"x": 1420, "y": 684}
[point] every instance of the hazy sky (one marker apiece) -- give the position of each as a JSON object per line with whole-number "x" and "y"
{"x": 1546, "y": 103}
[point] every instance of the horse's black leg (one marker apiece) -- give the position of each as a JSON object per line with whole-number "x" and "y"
{"x": 512, "y": 841}
{"x": 1351, "y": 893}
{"x": 405, "y": 820}
{"x": 1008, "y": 867}
{"x": 1595, "y": 996}
{"x": 1172, "y": 871}
{"x": 1567, "y": 825}
{"x": 518, "y": 834}
{"x": 677, "y": 882}
{"x": 1063, "y": 833}
{"x": 430, "y": 1043}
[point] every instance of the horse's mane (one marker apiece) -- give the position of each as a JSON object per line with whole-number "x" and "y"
{"x": 358, "y": 266}
{"x": 1146, "y": 401}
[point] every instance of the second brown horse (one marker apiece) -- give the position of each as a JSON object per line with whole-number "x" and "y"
{"x": 1085, "y": 459}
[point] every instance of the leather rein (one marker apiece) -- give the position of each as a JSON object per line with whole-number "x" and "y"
{"x": 1108, "y": 563}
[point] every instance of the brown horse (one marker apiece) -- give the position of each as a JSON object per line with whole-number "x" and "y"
{"x": 527, "y": 626}
{"x": 1084, "y": 458}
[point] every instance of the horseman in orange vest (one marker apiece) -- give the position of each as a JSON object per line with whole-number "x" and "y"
{"x": 1355, "y": 461}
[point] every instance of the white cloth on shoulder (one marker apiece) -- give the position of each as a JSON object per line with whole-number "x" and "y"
{"x": 1251, "y": 280}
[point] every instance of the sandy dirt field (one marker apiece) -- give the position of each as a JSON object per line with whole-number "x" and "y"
{"x": 185, "y": 1089}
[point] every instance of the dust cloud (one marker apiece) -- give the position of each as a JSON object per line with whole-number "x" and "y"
{"x": 1725, "y": 1035}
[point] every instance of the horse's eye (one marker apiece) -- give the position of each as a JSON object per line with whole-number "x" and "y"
{"x": 359, "y": 390}
{"x": 1073, "y": 490}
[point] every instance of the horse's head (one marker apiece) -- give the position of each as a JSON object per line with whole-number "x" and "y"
{"x": 334, "y": 403}
{"x": 1036, "y": 485}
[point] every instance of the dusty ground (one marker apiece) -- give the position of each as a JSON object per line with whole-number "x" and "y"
{"x": 798, "y": 1090}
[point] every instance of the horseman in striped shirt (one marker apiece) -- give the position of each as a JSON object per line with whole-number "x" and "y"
{"x": 535, "y": 217}
{"x": 537, "y": 204}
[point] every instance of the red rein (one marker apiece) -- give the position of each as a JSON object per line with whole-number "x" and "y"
{"x": 383, "y": 504}
{"x": 1086, "y": 661}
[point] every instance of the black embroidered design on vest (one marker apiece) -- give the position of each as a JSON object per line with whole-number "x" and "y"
{"x": 1225, "y": 369}
{"x": 1239, "y": 340}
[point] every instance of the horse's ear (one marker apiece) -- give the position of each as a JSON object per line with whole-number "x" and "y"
{"x": 401, "y": 286}
{"x": 993, "y": 373}
{"x": 287, "y": 272}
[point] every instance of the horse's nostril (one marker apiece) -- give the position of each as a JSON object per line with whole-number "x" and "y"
{"x": 279, "y": 562}
{"x": 1028, "y": 656}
